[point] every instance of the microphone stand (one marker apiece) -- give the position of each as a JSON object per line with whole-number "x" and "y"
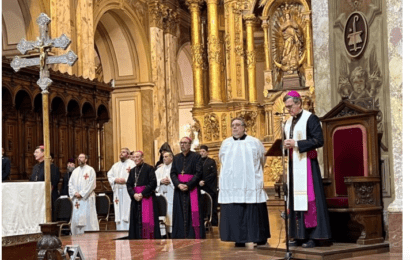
{"x": 288, "y": 254}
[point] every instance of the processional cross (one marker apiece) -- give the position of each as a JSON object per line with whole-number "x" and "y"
{"x": 44, "y": 44}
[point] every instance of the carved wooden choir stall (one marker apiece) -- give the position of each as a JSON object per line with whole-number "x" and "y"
{"x": 351, "y": 173}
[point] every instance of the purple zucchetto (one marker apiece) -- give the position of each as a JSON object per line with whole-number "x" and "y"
{"x": 293, "y": 94}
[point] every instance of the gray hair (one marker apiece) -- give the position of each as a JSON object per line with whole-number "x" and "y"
{"x": 170, "y": 154}
{"x": 240, "y": 119}
{"x": 296, "y": 100}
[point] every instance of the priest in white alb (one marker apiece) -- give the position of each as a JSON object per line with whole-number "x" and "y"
{"x": 166, "y": 188}
{"x": 81, "y": 190}
{"x": 117, "y": 178}
{"x": 244, "y": 214}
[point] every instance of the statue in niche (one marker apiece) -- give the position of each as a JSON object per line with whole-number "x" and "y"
{"x": 292, "y": 44}
{"x": 288, "y": 43}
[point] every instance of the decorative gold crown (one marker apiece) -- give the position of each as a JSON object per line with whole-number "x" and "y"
{"x": 286, "y": 9}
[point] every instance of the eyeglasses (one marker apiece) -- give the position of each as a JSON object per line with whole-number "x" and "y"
{"x": 183, "y": 143}
{"x": 236, "y": 125}
{"x": 290, "y": 107}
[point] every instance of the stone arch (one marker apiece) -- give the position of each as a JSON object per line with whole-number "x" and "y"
{"x": 19, "y": 21}
{"x": 185, "y": 76}
{"x": 122, "y": 44}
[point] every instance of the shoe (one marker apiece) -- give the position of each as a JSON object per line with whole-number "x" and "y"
{"x": 293, "y": 243}
{"x": 239, "y": 244}
{"x": 309, "y": 244}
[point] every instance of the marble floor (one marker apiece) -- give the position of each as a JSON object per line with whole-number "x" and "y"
{"x": 108, "y": 246}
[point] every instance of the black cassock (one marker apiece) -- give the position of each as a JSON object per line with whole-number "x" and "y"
{"x": 181, "y": 214}
{"x": 297, "y": 227}
{"x": 145, "y": 174}
{"x": 64, "y": 187}
{"x": 209, "y": 175}
{"x": 38, "y": 175}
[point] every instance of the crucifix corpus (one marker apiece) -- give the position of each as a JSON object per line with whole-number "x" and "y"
{"x": 44, "y": 45}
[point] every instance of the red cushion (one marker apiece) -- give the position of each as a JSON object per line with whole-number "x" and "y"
{"x": 337, "y": 202}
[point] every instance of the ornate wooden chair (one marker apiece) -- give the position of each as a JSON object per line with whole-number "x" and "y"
{"x": 351, "y": 171}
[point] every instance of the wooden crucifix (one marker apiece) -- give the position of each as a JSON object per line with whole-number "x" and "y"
{"x": 44, "y": 44}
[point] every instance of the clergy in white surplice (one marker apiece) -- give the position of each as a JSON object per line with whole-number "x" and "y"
{"x": 166, "y": 187}
{"x": 81, "y": 190}
{"x": 244, "y": 214}
{"x": 117, "y": 177}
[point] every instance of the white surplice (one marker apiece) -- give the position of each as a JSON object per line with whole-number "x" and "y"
{"x": 122, "y": 200}
{"x": 167, "y": 191}
{"x": 83, "y": 181}
{"x": 241, "y": 177}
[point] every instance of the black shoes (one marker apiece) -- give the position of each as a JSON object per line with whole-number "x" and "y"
{"x": 293, "y": 243}
{"x": 309, "y": 244}
{"x": 239, "y": 244}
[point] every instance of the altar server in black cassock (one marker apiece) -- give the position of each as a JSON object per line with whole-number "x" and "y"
{"x": 38, "y": 174}
{"x": 143, "y": 217}
{"x": 308, "y": 213}
{"x": 186, "y": 172}
{"x": 209, "y": 180}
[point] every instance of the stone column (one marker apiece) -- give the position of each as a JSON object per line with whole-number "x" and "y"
{"x": 395, "y": 56}
{"x": 268, "y": 76}
{"x": 171, "y": 42}
{"x": 214, "y": 52}
{"x": 85, "y": 39}
{"x": 157, "y": 13}
{"x": 197, "y": 48}
{"x": 60, "y": 14}
{"x": 250, "y": 21}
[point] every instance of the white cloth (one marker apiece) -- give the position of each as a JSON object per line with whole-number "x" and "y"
{"x": 167, "y": 191}
{"x": 241, "y": 177}
{"x": 122, "y": 200}
{"x": 83, "y": 181}
{"x": 299, "y": 162}
{"x": 23, "y": 207}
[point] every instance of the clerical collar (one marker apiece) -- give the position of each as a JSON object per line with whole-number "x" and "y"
{"x": 298, "y": 116}
{"x": 240, "y": 138}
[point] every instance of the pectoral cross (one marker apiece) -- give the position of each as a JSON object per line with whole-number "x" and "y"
{"x": 43, "y": 45}
{"x": 86, "y": 176}
{"x": 116, "y": 200}
{"x": 182, "y": 173}
{"x": 77, "y": 205}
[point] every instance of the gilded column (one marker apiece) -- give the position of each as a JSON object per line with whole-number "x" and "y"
{"x": 197, "y": 48}
{"x": 214, "y": 53}
{"x": 250, "y": 21}
{"x": 309, "y": 54}
{"x": 157, "y": 13}
{"x": 268, "y": 75}
{"x": 85, "y": 39}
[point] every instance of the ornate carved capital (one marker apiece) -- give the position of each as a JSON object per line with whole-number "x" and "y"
{"x": 157, "y": 13}
{"x": 210, "y": 2}
{"x": 171, "y": 22}
{"x": 194, "y": 5}
{"x": 250, "y": 19}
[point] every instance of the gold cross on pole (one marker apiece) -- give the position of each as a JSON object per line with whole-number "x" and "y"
{"x": 44, "y": 44}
